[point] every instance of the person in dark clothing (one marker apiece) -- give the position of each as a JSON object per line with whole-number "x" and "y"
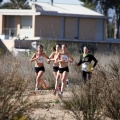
{"x": 85, "y": 61}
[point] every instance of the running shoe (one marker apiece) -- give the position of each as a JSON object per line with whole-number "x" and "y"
{"x": 54, "y": 92}
{"x": 67, "y": 83}
{"x": 36, "y": 89}
{"x": 35, "y": 92}
{"x": 60, "y": 94}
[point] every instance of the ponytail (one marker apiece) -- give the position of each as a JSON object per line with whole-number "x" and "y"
{"x": 53, "y": 48}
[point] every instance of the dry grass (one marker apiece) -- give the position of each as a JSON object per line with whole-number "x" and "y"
{"x": 98, "y": 99}
{"x": 17, "y": 79}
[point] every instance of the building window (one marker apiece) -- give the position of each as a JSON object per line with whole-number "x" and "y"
{"x": 25, "y": 27}
{"x": 26, "y": 22}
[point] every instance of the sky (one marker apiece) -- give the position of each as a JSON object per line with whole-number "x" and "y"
{"x": 63, "y": 1}
{"x": 58, "y": 1}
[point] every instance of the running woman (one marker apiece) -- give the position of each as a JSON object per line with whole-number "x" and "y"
{"x": 85, "y": 60}
{"x": 38, "y": 57}
{"x": 63, "y": 58}
{"x": 52, "y": 57}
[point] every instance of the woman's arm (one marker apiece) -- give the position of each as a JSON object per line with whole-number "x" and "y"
{"x": 48, "y": 60}
{"x": 95, "y": 61}
{"x": 80, "y": 61}
{"x": 46, "y": 56}
{"x": 71, "y": 58}
{"x": 51, "y": 57}
{"x": 33, "y": 57}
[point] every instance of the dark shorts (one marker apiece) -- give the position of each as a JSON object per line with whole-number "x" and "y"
{"x": 37, "y": 69}
{"x": 55, "y": 69}
{"x": 61, "y": 70}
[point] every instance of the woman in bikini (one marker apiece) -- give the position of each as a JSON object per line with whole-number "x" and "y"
{"x": 63, "y": 58}
{"x": 38, "y": 57}
{"x": 52, "y": 57}
{"x": 56, "y": 49}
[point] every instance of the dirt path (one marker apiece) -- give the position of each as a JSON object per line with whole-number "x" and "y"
{"x": 51, "y": 107}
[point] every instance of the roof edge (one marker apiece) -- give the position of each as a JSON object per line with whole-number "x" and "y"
{"x": 71, "y": 15}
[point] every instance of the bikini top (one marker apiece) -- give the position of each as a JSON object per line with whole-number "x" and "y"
{"x": 64, "y": 57}
{"x": 40, "y": 59}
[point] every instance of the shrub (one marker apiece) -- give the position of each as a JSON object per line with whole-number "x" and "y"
{"x": 16, "y": 83}
{"x": 99, "y": 97}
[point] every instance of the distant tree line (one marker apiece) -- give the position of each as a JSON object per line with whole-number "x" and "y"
{"x": 105, "y": 6}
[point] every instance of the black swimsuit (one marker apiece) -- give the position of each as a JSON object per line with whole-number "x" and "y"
{"x": 37, "y": 69}
{"x": 61, "y": 70}
{"x": 55, "y": 68}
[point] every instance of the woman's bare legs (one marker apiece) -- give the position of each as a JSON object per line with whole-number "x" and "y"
{"x": 38, "y": 78}
{"x": 64, "y": 77}
{"x": 55, "y": 74}
{"x": 57, "y": 77}
{"x": 56, "y": 80}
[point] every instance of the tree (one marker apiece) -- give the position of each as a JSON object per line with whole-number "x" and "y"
{"x": 16, "y": 4}
{"x": 106, "y": 5}
{"x": 20, "y": 4}
{"x": 117, "y": 11}
{"x": 0, "y": 3}
{"x": 89, "y": 3}
{"x": 6, "y": 5}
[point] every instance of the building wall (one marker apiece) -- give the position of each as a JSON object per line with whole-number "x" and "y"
{"x": 56, "y": 27}
{"x": 17, "y": 24}
{"x": 10, "y": 25}
{"x": 47, "y": 26}
{"x": 1, "y": 24}
{"x": 69, "y": 28}
{"x": 50, "y": 27}
{"x": 87, "y": 29}
{"x": 6, "y": 21}
{"x": 105, "y": 29}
